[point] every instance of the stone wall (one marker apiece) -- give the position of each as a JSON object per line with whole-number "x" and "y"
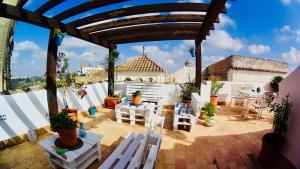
{"x": 240, "y": 68}
{"x": 7, "y": 27}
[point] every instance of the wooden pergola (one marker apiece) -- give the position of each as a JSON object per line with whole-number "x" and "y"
{"x": 120, "y": 30}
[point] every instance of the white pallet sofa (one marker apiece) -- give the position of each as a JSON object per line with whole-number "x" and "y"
{"x": 183, "y": 117}
{"x": 135, "y": 114}
{"x": 137, "y": 150}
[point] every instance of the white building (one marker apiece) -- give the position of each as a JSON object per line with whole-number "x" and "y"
{"x": 140, "y": 69}
{"x": 88, "y": 70}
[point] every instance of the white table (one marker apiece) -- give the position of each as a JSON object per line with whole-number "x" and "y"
{"x": 250, "y": 93}
{"x": 144, "y": 113}
{"x": 80, "y": 158}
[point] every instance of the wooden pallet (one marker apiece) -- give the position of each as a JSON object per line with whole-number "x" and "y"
{"x": 137, "y": 150}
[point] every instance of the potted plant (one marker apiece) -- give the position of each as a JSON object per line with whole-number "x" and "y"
{"x": 66, "y": 128}
{"x": 137, "y": 98}
{"x": 92, "y": 110}
{"x": 210, "y": 111}
{"x": 275, "y": 83}
{"x": 192, "y": 51}
{"x": 59, "y": 36}
{"x": 65, "y": 81}
{"x": 272, "y": 142}
{"x": 186, "y": 91}
{"x": 215, "y": 87}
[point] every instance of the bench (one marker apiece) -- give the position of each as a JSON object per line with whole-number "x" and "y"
{"x": 137, "y": 150}
{"x": 151, "y": 92}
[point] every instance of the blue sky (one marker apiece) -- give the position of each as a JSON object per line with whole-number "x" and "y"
{"x": 265, "y": 29}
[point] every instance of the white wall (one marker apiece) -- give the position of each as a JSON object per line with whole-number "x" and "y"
{"x": 24, "y": 110}
{"x": 251, "y": 76}
{"x": 291, "y": 85}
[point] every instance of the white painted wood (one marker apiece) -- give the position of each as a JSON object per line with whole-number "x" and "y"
{"x": 134, "y": 149}
{"x": 80, "y": 158}
{"x": 151, "y": 92}
{"x": 183, "y": 116}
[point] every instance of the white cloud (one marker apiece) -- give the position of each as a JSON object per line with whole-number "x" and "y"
{"x": 226, "y": 21}
{"x": 287, "y": 33}
{"x": 286, "y": 2}
{"x": 259, "y": 49}
{"x": 169, "y": 62}
{"x": 222, "y": 40}
{"x": 26, "y": 46}
{"x": 292, "y": 56}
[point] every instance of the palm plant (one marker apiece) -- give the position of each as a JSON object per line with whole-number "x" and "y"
{"x": 275, "y": 83}
{"x": 215, "y": 85}
{"x": 187, "y": 89}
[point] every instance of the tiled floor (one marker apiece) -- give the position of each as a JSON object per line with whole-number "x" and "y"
{"x": 232, "y": 143}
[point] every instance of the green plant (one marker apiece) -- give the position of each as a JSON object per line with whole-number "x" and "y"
{"x": 209, "y": 109}
{"x": 137, "y": 94}
{"x": 215, "y": 85}
{"x": 275, "y": 83}
{"x": 62, "y": 121}
{"x": 281, "y": 115}
{"x": 187, "y": 89}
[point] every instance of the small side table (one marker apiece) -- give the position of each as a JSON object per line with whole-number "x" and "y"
{"x": 80, "y": 158}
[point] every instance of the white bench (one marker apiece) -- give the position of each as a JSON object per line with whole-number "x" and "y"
{"x": 151, "y": 92}
{"x": 143, "y": 113}
{"x": 137, "y": 150}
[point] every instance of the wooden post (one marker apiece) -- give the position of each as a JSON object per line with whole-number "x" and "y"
{"x": 198, "y": 64}
{"x": 111, "y": 72}
{"x": 51, "y": 75}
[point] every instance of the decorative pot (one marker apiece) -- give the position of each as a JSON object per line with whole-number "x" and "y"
{"x": 214, "y": 100}
{"x": 111, "y": 102}
{"x": 68, "y": 137}
{"x": 92, "y": 111}
{"x": 81, "y": 131}
{"x": 209, "y": 121}
{"x": 58, "y": 39}
{"x": 202, "y": 115}
{"x": 136, "y": 100}
{"x": 73, "y": 113}
{"x": 186, "y": 100}
{"x": 271, "y": 148}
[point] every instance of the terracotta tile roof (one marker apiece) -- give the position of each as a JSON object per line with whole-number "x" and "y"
{"x": 140, "y": 64}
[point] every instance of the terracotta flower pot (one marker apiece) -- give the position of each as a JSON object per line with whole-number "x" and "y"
{"x": 137, "y": 100}
{"x": 214, "y": 100}
{"x": 186, "y": 100}
{"x": 111, "y": 102}
{"x": 271, "y": 148}
{"x": 68, "y": 137}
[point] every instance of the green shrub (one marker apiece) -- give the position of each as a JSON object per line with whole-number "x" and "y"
{"x": 187, "y": 89}
{"x": 137, "y": 94}
{"x": 215, "y": 85}
{"x": 209, "y": 109}
{"x": 62, "y": 121}
{"x": 275, "y": 83}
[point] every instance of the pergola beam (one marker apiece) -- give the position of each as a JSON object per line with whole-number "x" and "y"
{"x": 148, "y": 28}
{"x": 143, "y": 9}
{"x": 47, "y": 6}
{"x": 155, "y": 36}
{"x": 21, "y": 3}
{"x": 85, "y": 7}
{"x": 146, "y": 20}
{"x": 215, "y": 8}
{"x": 12, "y": 12}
